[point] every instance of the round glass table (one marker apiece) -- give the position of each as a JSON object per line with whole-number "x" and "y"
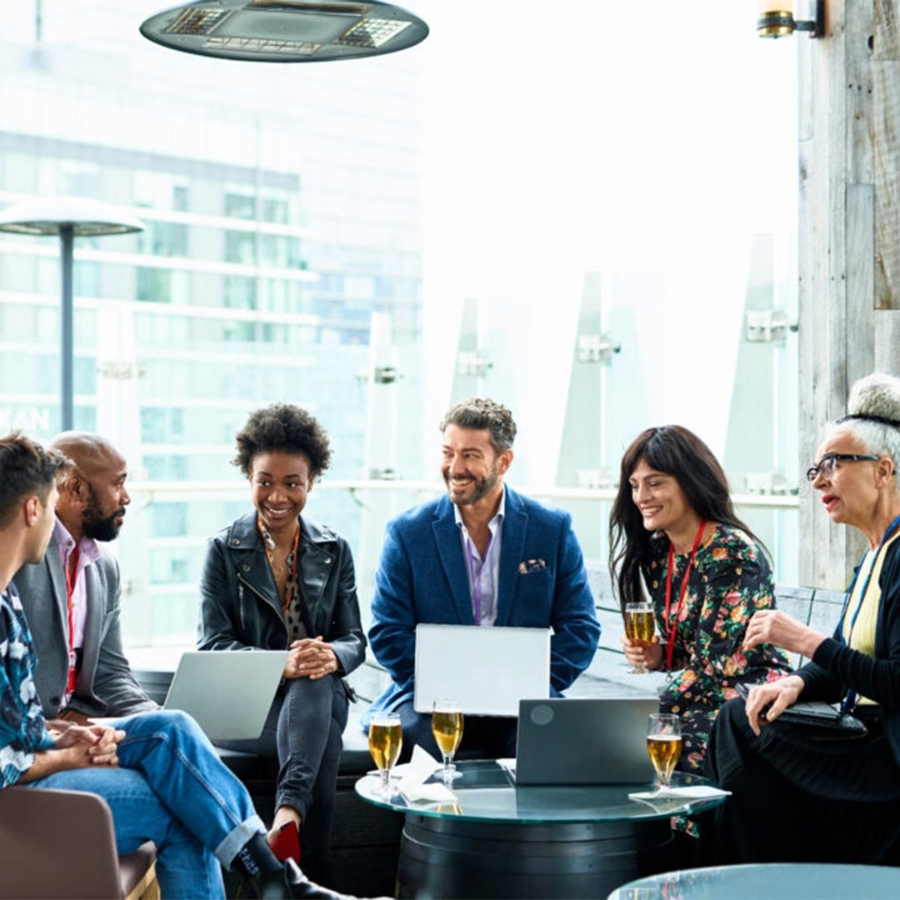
{"x": 497, "y": 840}
{"x": 799, "y": 881}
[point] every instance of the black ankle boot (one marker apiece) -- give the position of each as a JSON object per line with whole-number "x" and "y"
{"x": 264, "y": 875}
{"x": 290, "y": 883}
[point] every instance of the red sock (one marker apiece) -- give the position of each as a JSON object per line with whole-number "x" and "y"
{"x": 286, "y": 842}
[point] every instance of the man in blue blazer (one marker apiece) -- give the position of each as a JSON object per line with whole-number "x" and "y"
{"x": 481, "y": 555}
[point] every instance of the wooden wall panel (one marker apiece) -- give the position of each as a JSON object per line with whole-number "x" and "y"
{"x": 837, "y": 243}
{"x": 884, "y": 125}
{"x": 887, "y": 342}
{"x": 885, "y": 33}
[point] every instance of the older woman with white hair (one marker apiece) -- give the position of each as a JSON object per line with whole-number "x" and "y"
{"x": 805, "y": 797}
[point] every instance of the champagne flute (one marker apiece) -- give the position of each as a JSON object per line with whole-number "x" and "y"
{"x": 447, "y": 728}
{"x": 664, "y": 745}
{"x": 385, "y": 741}
{"x": 640, "y": 622}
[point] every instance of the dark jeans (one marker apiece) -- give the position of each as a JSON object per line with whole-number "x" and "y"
{"x": 484, "y": 737}
{"x": 303, "y": 731}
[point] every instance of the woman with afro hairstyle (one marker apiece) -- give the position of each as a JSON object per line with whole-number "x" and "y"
{"x": 275, "y": 579}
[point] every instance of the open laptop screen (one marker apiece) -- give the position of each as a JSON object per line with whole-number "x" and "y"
{"x": 486, "y": 669}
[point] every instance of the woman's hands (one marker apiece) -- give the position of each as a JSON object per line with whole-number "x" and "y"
{"x": 311, "y": 658}
{"x": 639, "y": 654}
{"x": 771, "y": 626}
{"x": 767, "y": 702}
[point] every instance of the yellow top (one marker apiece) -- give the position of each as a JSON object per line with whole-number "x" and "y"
{"x": 860, "y": 635}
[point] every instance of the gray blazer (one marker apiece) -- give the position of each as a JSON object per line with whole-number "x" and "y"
{"x": 105, "y": 686}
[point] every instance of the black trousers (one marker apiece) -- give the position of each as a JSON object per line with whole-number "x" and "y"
{"x": 797, "y": 799}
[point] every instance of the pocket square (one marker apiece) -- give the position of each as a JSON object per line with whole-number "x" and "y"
{"x": 527, "y": 566}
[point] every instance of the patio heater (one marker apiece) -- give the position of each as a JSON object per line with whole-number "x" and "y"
{"x": 67, "y": 217}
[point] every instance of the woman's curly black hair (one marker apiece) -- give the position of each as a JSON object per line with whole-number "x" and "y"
{"x": 284, "y": 428}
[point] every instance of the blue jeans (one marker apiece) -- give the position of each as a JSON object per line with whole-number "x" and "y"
{"x": 171, "y": 788}
{"x": 304, "y": 731}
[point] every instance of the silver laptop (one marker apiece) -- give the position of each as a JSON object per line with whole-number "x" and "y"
{"x": 228, "y": 692}
{"x": 486, "y": 669}
{"x": 584, "y": 741}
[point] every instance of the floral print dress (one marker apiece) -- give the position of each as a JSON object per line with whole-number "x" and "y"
{"x": 730, "y": 580}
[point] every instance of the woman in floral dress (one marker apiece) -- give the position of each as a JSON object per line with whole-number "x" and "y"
{"x": 675, "y": 535}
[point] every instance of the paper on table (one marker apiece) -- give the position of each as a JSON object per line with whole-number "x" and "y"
{"x": 429, "y": 793}
{"x": 693, "y": 792}
{"x": 418, "y": 770}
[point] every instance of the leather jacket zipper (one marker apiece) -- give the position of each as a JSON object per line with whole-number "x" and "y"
{"x": 242, "y": 583}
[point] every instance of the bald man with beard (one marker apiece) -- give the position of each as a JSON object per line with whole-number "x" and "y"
{"x": 82, "y": 668}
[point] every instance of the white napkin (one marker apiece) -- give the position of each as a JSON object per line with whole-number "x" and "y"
{"x": 694, "y": 792}
{"x": 416, "y": 772}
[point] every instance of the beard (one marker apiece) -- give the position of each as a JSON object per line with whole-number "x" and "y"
{"x": 482, "y": 486}
{"x": 97, "y": 526}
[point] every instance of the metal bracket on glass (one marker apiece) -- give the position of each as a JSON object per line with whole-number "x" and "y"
{"x": 765, "y": 326}
{"x": 473, "y": 362}
{"x": 122, "y": 371}
{"x": 773, "y": 483}
{"x": 595, "y": 478}
{"x": 379, "y": 374}
{"x": 596, "y": 348}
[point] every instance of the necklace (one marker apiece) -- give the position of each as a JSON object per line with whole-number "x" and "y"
{"x": 290, "y": 563}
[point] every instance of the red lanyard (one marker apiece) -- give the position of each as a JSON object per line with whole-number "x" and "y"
{"x": 71, "y": 578}
{"x": 671, "y": 626}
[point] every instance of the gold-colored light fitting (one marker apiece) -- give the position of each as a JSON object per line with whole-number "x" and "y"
{"x": 776, "y": 19}
{"x": 775, "y": 24}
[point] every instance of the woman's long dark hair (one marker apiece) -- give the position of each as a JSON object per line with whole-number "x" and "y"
{"x": 680, "y": 453}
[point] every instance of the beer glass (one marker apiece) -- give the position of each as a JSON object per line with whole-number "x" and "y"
{"x": 385, "y": 741}
{"x": 639, "y": 626}
{"x": 664, "y": 745}
{"x": 447, "y": 728}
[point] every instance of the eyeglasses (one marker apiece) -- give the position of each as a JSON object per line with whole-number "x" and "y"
{"x": 828, "y": 463}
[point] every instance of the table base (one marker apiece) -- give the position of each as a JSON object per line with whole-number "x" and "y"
{"x": 457, "y": 859}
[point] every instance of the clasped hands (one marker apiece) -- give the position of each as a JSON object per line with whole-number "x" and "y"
{"x": 311, "y": 658}
{"x": 86, "y": 745}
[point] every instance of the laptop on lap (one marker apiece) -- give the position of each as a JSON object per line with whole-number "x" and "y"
{"x": 228, "y": 692}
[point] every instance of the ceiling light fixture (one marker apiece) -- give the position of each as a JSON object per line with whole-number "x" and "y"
{"x": 286, "y": 30}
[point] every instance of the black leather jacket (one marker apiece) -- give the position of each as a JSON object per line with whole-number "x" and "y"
{"x": 240, "y": 608}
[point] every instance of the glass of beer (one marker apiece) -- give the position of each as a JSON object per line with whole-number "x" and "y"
{"x": 640, "y": 623}
{"x": 385, "y": 741}
{"x": 447, "y": 728}
{"x": 664, "y": 745}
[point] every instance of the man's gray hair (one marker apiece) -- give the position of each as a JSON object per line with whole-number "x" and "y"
{"x": 480, "y": 413}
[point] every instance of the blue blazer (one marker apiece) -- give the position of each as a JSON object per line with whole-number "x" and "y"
{"x": 422, "y": 578}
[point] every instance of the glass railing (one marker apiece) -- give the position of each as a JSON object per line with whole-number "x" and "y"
{"x": 162, "y": 546}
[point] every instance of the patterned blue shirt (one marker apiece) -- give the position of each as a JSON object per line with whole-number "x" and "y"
{"x": 22, "y": 729}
